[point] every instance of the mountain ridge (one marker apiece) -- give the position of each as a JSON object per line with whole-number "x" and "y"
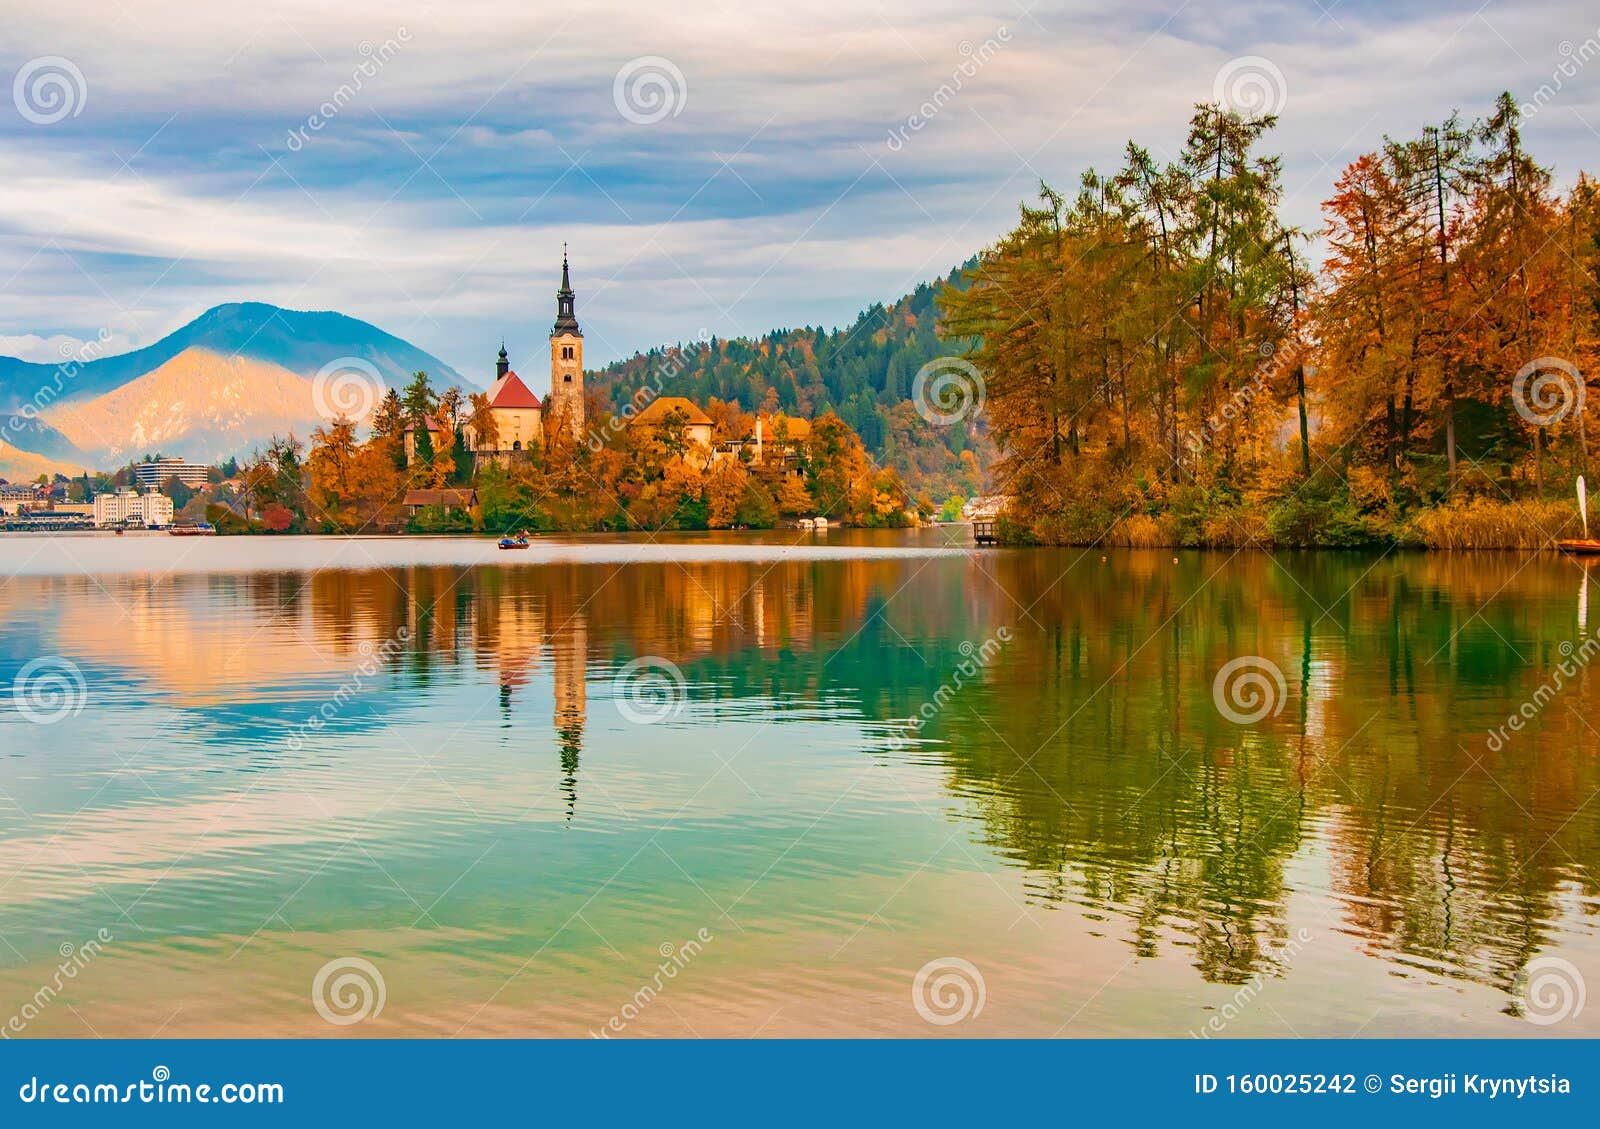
{"x": 187, "y": 393}
{"x": 286, "y": 346}
{"x": 205, "y": 404}
{"x": 301, "y": 341}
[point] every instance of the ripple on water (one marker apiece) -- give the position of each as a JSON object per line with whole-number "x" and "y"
{"x": 475, "y": 816}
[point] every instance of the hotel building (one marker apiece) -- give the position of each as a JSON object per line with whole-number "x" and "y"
{"x": 129, "y": 507}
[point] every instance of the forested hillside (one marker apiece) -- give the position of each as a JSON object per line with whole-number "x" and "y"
{"x": 864, "y": 373}
{"x": 1164, "y": 366}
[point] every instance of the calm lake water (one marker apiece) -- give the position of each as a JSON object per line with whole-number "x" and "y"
{"x": 791, "y": 785}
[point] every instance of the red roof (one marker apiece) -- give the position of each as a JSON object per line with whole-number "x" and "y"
{"x": 509, "y": 392}
{"x": 431, "y": 423}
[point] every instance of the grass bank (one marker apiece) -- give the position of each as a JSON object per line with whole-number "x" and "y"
{"x": 1469, "y": 524}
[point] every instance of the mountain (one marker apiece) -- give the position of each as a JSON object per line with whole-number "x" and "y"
{"x": 205, "y": 404}
{"x": 25, "y": 466}
{"x": 238, "y": 374}
{"x": 865, "y": 372}
{"x": 216, "y": 387}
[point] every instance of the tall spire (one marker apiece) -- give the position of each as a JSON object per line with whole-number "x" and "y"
{"x": 503, "y": 364}
{"x": 566, "y": 318}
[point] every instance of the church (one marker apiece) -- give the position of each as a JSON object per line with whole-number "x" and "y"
{"x": 518, "y": 419}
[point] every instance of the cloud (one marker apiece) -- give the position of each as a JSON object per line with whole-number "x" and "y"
{"x": 465, "y": 143}
{"x": 59, "y": 347}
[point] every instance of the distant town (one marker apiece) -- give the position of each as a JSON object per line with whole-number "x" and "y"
{"x": 508, "y": 462}
{"x": 155, "y": 493}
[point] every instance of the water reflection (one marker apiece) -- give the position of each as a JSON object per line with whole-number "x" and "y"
{"x": 1089, "y": 764}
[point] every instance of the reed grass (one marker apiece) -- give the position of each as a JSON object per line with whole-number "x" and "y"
{"x": 1476, "y": 523}
{"x": 1141, "y": 531}
{"x": 1483, "y": 523}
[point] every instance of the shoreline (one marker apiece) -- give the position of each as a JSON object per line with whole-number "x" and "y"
{"x": 774, "y": 537}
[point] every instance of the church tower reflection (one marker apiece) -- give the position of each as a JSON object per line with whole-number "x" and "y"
{"x": 518, "y": 632}
{"x": 569, "y": 643}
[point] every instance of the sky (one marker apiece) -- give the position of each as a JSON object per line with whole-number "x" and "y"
{"x": 723, "y": 168}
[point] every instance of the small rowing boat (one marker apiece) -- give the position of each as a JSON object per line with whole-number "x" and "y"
{"x": 520, "y": 541}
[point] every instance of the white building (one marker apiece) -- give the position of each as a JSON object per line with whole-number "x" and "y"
{"x": 131, "y": 507}
{"x": 985, "y": 507}
{"x": 151, "y": 475}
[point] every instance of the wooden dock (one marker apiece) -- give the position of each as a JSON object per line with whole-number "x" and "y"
{"x": 983, "y": 533}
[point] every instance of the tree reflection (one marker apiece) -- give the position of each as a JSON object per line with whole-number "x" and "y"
{"x": 1090, "y": 753}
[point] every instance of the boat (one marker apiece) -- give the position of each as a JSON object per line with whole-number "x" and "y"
{"x": 1581, "y": 546}
{"x": 520, "y": 541}
{"x": 198, "y": 529}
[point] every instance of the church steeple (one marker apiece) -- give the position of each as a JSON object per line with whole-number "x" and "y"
{"x": 503, "y": 365}
{"x": 563, "y": 408}
{"x": 566, "y": 318}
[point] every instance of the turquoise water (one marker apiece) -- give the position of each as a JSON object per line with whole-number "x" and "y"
{"x": 790, "y": 785}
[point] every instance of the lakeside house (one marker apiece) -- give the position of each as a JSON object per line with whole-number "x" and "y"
{"x": 20, "y": 497}
{"x": 775, "y": 438}
{"x": 436, "y": 436}
{"x": 129, "y": 507}
{"x": 694, "y": 424}
{"x": 770, "y": 440}
{"x": 450, "y": 500}
{"x": 985, "y": 507}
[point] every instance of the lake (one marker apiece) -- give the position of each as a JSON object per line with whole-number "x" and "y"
{"x": 792, "y": 784}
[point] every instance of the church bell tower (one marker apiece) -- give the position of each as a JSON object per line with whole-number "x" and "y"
{"x": 565, "y": 404}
